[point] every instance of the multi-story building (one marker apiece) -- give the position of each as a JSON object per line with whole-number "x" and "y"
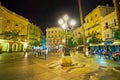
{"x": 10, "y": 21}
{"x": 109, "y": 23}
{"x": 54, "y": 37}
{"x": 34, "y": 33}
{"x": 77, "y": 33}
{"x": 93, "y": 20}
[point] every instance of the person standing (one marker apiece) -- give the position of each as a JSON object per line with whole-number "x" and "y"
{"x": 39, "y": 52}
{"x": 24, "y": 51}
{"x": 46, "y": 54}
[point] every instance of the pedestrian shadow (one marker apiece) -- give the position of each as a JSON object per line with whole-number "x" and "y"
{"x": 42, "y": 58}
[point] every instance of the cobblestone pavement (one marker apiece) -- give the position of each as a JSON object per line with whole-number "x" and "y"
{"x": 16, "y": 66}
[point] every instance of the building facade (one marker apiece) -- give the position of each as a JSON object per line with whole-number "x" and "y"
{"x": 55, "y": 37}
{"x": 34, "y": 34}
{"x": 77, "y": 33}
{"x": 10, "y": 21}
{"x": 93, "y": 20}
{"x": 109, "y": 23}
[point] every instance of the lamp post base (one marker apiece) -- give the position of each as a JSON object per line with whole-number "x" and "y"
{"x": 66, "y": 59}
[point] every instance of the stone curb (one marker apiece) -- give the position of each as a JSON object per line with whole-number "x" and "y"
{"x": 116, "y": 70}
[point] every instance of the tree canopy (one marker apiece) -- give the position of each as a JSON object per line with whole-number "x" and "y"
{"x": 117, "y": 34}
{"x": 93, "y": 39}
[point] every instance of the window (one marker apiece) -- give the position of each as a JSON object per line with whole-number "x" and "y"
{"x": 87, "y": 21}
{"x": 115, "y": 22}
{"x": 23, "y": 26}
{"x": 30, "y": 27}
{"x": 95, "y": 15}
{"x": 78, "y": 32}
{"x": 107, "y": 36}
{"x": 106, "y": 25}
{"x": 91, "y": 18}
{"x": 8, "y": 21}
{"x": 88, "y": 34}
{"x": 16, "y": 24}
{"x": 55, "y": 36}
{"x": 92, "y": 32}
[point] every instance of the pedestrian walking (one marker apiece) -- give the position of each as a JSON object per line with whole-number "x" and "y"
{"x": 58, "y": 52}
{"x": 24, "y": 51}
{"x": 39, "y": 52}
{"x": 46, "y": 54}
{"x": 27, "y": 51}
{"x": 100, "y": 52}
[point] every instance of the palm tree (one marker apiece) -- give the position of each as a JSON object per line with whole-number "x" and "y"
{"x": 117, "y": 9}
{"x": 82, "y": 24}
{"x": 12, "y": 35}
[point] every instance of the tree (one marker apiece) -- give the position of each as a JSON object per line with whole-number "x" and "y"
{"x": 36, "y": 43}
{"x": 12, "y": 35}
{"x": 93, "y": 39}
{"x": 71, "y": 43}
{"x": 82, "y": 24}
{"x": 80, "y": 41}
{"x": 117, "y": 9}
{"x": 117, "y": 34}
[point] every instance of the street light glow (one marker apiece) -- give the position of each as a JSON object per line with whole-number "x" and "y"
{"x": 67, "y": 26}
{"x": 64, "y": 26}
{"x": 63, "y": 22}
{"x": 65, "y": 17}
{"x": 60, "y": 21}
{"x": 72, "y": 22}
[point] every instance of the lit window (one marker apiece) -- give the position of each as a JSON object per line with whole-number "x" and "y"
{"x": 107, "y": 35}
{"x": 16, "y": 24}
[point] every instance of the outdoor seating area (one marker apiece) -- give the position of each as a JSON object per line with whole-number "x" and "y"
{"x": 116, "y": 56}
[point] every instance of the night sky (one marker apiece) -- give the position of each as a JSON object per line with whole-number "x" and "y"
{"x": 45, "y": 13}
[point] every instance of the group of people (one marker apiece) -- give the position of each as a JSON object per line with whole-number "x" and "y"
{"x": 38, "y": 52}
{"x": 101, "y": 52}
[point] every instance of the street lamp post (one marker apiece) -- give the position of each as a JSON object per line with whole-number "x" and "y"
{"x": 66, "y": 58}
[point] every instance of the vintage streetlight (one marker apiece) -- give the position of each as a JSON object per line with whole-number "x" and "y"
{"x": 67, "y": 25}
